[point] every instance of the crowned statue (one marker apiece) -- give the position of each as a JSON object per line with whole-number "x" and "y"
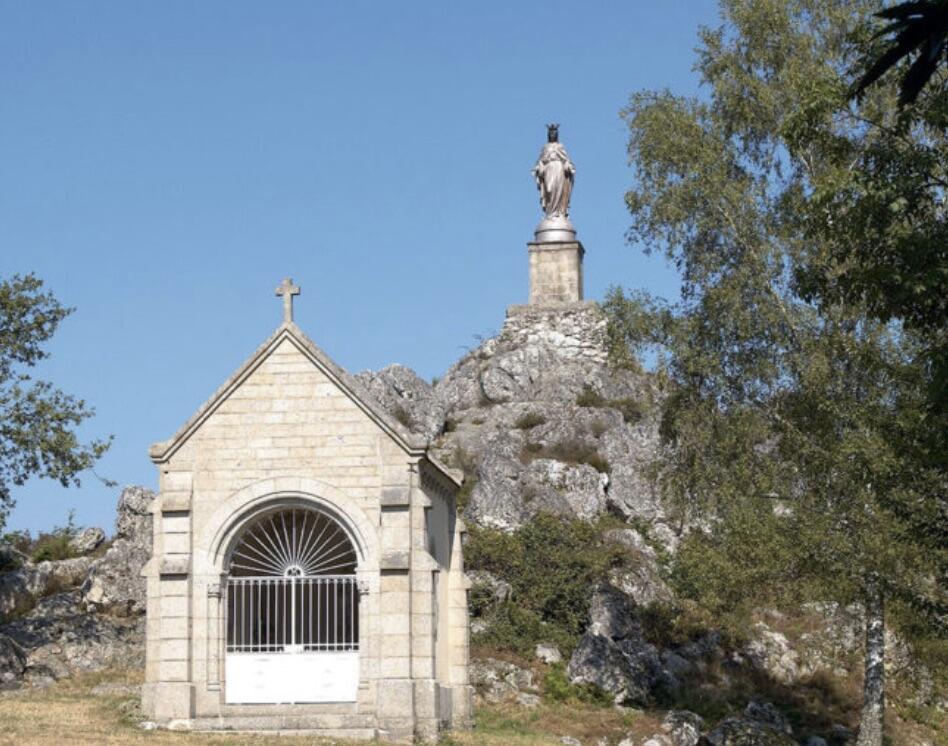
{"x": 554, "y": 173}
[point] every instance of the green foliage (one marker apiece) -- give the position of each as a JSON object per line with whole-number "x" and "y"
{"x": 56, "y": 544}
{"x": 631, "y": 409}
{"x": 553, "y": 565}
{"x": 557, "y": 688}
{"x": 802, "y": 435}
{"x": 37, "y": 421}
{"x": 636, "y": 326}
{"x": 529, "y": 420}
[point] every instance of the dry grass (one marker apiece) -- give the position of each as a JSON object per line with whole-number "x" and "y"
{"x": 67, "y": 713}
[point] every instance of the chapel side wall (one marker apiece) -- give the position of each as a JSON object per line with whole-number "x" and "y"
{"x": 289, "y": 419}
{"x": 445, "y": 533}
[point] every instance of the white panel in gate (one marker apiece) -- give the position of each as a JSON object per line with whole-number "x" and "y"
{"x": 287, "y": 678}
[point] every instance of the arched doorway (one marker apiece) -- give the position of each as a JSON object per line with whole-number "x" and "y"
{"x": 292, "y": 610}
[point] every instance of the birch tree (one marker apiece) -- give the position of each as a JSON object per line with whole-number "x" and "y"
{"x": 799, "y": 428}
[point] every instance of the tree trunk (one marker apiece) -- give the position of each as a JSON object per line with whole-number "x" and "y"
{"x": 873, "y": 688}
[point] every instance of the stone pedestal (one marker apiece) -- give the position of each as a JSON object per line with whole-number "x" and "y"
{"x": 556, "y": 272}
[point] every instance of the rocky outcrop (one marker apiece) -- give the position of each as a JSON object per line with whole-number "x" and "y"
{"x": 114, "y": 584}
{"x": 87, "y": 540}
{"x": 614, "y": 656}
{"x": 56, "y": 639}
{"x": 408, "y": 397}
{"x": 498, "y": 681}
{"x": 640, "y": 579}
{"x": 762, "y": 724}
{"x": 12, "y": 663}
{"x": 679, "y": 728}
{"x": 63, "y": 617}
{"x": 21, "y": 589}
{"x": 541, "y": 423}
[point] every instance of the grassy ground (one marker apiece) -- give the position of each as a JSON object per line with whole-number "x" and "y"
{"x": 67, "y": 713}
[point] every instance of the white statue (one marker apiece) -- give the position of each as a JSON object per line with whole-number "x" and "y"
{"x": 554, "y": 173}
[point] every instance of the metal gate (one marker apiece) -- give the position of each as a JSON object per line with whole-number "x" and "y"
{"x": 292, "y": 624}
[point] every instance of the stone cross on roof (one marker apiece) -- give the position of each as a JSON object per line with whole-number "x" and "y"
{"x": 287, "y": 289}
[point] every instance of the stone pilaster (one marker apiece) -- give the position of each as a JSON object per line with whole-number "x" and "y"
{"x": 173, "y": 694}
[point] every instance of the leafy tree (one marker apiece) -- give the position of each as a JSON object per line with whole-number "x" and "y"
{"x": 917, "y": 27}
{"x": 37, "y": 420}
{"x": 798, "y": 430}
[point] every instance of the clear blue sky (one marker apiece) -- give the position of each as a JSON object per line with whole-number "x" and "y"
{"x": 165, "y": 164}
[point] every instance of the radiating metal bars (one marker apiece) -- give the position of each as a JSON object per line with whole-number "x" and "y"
{"x": 292, "y": 614}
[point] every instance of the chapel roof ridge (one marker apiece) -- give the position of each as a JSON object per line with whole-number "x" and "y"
{"x": 412, "y": 443}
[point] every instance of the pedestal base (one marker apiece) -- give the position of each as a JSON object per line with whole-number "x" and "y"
{"x": 556, "y": 272}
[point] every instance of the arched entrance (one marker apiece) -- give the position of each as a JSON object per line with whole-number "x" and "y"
{"x": 292, "y": 610}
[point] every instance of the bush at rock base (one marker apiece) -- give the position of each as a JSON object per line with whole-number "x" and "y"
{"x": 553, "y": 565}
{"x": 557, "y": 687}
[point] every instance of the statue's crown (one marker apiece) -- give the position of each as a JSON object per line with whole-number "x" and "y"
{"x": 553, "y": 133}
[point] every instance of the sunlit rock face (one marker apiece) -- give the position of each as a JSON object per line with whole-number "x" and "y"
{"x": 540, "y": 421}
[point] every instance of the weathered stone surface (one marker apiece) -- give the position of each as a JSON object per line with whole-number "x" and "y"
{"x": 496, "y": 680}
{"x": 21, "y": 589}
{"x": 742, "y": 732}
{"x": 762, "y": 724}
{"x": 525, "y": 699}
{"x": 87, "y": 540}
{"x": 683, "y": 727}
{"x": 600, "y": 661}
{"x": 514, "y": 409}
{"x": 56, "y": 639}
{"x": 133, "y": 517}
{"x": 407, "y": 396}
{"x": 767, "y": 714}
{"x": 614, "y": 655}
{"x": 549, "y": 654}
{"x": 770, "y": 651}
{"x": 544, "y": 363}
{"x": 114, "y": 584}
{"x": 572, "y": 490}
{"x": 641, "y": 580}
{"x": 12, "y": 663}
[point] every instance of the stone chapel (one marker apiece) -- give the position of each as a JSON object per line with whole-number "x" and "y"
{"x": 307, "y": 569}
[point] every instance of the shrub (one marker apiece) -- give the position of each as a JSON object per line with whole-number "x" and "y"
{"x": 598, "y": 427}
{"x": 575, "y": 451}
{"x": 557, "y": 687}
{"x": 464, "y": 494}
{"x": 553, "y": 564}
{"x": 590, "y": 398}
{"x": 632, "y": 409}
{"x": 56, "y": 544}
{"x": 529, "y": 420}
{"x": 401, "y": 414}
